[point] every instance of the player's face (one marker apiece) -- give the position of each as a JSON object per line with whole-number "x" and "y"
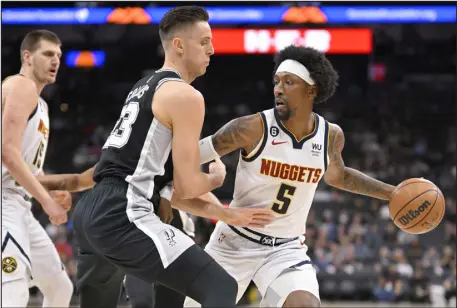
{"x": 45, "y": 61}
{"x": 289, "y": 91}
{"x": 197, "y": 47}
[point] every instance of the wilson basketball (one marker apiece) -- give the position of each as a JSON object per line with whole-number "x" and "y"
{"x": 417, "y": 206}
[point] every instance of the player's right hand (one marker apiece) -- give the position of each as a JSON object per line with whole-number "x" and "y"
{"x": 218, "y": 168}
{"x": 243, "y": 217}
{"x": 63, "y": 198}
{"x": 57, "y": 215}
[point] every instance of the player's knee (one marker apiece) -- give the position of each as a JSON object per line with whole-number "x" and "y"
{"x": 66, "y": 286}
{"x": 301, "y": 299}
{"x": 57, "y": 290}
{"x": 15, "y": 293}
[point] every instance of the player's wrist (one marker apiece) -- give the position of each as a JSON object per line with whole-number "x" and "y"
{"x": 44, "y": 196}
{"x": 217, "y": 180}
{"x": 224, "y": 214}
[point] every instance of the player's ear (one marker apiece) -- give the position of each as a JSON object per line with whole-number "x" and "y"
{"x": 27, "y": 57}
{"x": 178, "y": 45}
{"x": 312, "y": 92}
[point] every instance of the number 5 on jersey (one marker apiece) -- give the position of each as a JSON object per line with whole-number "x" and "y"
{"x": 123, "y": 128}
{"x": 283, "y": 198}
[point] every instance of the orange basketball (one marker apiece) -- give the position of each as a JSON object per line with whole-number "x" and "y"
{"x": 417, "y": 206}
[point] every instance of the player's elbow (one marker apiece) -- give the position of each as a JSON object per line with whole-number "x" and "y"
{"x": 187, "y": 187}
{"x": 335, "y": 179}
{"x": 182, "y": 189}
{"x": 9, "y": 154}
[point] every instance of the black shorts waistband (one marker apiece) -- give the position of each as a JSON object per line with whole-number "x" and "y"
{"x": 260, "y": 238}
{"x": 122, "y": 184}
{"x": 112, "y": 180}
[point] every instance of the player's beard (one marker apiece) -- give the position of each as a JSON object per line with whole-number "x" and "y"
{"x": 283, "y": 112}
{"x": 40, "y": 77}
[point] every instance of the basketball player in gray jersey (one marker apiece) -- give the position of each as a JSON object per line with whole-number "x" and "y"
{"x": 115, "y": 224}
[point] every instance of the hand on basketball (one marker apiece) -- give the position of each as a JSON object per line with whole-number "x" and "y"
{"x": 57, "y": 215}
{"x": 165, "y": 211}
{"x": 63, "y": 198}
{"x": 218, "y": 168}
{"x": 242, "y": 217}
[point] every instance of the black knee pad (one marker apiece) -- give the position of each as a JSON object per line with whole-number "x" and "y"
{"x": 214, "y": 287}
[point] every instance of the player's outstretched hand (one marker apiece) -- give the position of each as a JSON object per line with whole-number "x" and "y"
{"x": 242, "y": 217}
{"x": 218, "y": 168}
{"x": 57, "y": 215}
{"x": 63, "y": 198}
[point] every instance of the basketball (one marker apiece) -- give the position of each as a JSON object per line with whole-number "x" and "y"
{"x": 417, "y": 206}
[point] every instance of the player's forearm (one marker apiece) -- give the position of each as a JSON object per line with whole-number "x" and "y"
{"x": 356, "y": 182}
{"x": 69, "y": 182}
{"x": 203, "y": 206}
{"x": 200, "y": 184}
{"x": 12, "y": 159}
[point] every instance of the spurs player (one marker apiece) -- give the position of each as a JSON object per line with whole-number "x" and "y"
{"x": 142, "y": 294}
{"x": 285, "y": 152}
{"x": 28, "y": 254}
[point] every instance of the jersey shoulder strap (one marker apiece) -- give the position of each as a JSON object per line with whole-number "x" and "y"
{"x": 161, "y": 76}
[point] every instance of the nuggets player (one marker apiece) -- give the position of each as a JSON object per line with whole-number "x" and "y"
{"x": 285, "y": 152}
{"x": 28, "y": 254}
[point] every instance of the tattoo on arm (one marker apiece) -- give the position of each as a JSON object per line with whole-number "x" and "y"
{"x": 357, "y": 182}
{"x": 238, "y": 133}
{"x": 342, "y": 177}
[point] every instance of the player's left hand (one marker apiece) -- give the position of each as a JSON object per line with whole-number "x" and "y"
{"x": 63, "y": 198}
{"x": 165, "y": 211}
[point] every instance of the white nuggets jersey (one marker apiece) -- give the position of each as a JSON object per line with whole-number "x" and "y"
{"x": 34, "y": 145}
{"x": 282, "y": 173}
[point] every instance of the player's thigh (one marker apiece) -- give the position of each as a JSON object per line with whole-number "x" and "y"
{"x": 149, "y": 247}
{"x": 121, "y": 226}
{"x": 16, "y": 261}
{"x": 237, "y": 255}
{"x": 286, "y": 270}
{"x": 97, "y": 281}
{"x": 46, "y": 261}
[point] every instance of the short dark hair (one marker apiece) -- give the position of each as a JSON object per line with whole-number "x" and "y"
{"x": 32, "y": 40}
{"x": 319, "y": 67}
{"x": 180, "y": 16}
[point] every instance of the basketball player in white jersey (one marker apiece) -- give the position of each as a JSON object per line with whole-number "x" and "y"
{"x": 285, "y": 152}
{"x": 29, "y": 257}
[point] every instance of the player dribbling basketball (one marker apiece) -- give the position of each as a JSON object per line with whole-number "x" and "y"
{"x": 285, "y": 152}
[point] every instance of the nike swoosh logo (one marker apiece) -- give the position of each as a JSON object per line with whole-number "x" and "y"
{"x": 279, "y": 142}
